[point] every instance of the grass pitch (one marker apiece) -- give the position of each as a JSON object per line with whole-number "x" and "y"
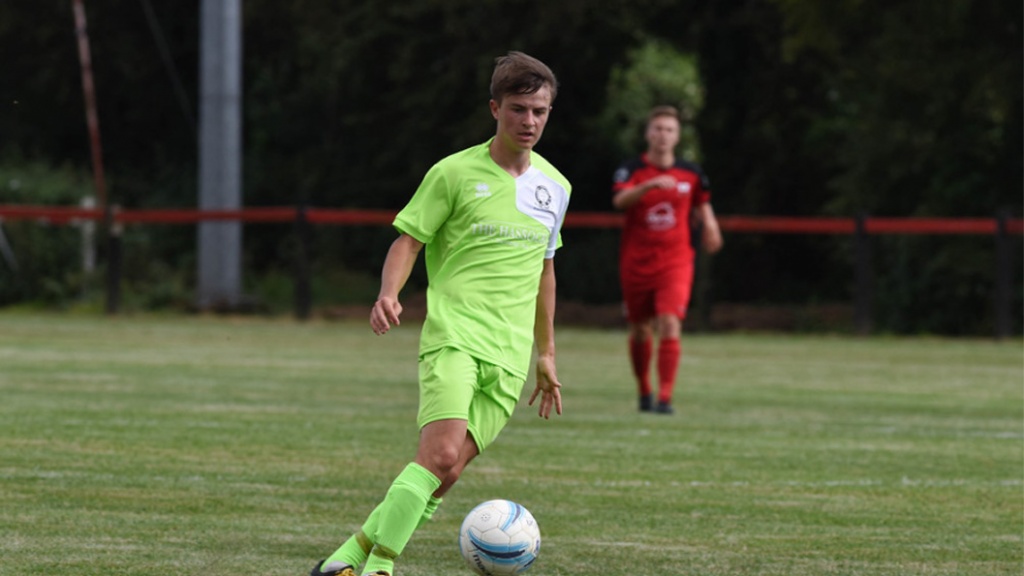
{"x": 211, "y": 446}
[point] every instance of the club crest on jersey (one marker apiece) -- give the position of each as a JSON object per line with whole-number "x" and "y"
{"x": 683, "y": 187}
{"x": 543, "y": 197}
{"x": 482, "y": 190}
{"x": 661, "y": 216}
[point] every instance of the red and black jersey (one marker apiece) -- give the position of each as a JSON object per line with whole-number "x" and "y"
{"x": 656, "y": 234}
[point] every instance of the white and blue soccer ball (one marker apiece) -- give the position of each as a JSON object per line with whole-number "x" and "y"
{"x": 499, "y": 538}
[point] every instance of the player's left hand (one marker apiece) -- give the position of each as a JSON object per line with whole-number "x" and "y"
{"x": 548, "y": 388}
{"x": 711, "y": 237}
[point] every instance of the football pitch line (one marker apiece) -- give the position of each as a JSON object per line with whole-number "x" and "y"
{"x": 908, "y": 482}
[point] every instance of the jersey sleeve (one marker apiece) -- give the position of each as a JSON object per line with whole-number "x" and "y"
{"x": 703, "y": 195}
{"x": 429, "y": 207}
{"x": 623, "y": 177}
{"x": 555, "y": 241}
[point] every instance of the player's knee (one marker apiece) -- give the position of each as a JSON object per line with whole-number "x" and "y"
{"x": 669, "y": 326}
{"x": 641, "y": 331}
{"x": 453, "y": 476}
{"x": 444, "y": 460}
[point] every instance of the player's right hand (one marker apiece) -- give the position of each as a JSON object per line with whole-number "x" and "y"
{"x": 548, "y": 387}
{"x": 665, "y": 181}
{"x": 385, "y": 312}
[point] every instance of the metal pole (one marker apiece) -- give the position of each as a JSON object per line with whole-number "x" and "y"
{"x": 114, "y": 264}
{"x": 220, "y": 164}
{"x": 88, "y": 234}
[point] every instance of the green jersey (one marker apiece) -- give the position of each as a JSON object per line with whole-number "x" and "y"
{"x": 487, "y": 235}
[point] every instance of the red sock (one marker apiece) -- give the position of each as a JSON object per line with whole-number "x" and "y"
{"x": 669, "y": 352}
{"x": 640, "y": 357}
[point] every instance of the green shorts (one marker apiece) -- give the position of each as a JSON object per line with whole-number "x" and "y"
{"x": 455, "y": 385}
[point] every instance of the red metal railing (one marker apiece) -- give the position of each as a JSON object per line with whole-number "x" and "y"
{"x": 339, "y": 216}
{"x": 860, "y": 228}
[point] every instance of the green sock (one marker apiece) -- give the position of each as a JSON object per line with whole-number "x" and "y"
{"x": 428, "y": 512}
{"x": 357, "y": 548}
{"x": 380, "y": 559}
{"x": 401, "y": 513}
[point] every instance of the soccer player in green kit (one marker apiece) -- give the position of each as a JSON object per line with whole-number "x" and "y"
{"x": 490, "y": 217}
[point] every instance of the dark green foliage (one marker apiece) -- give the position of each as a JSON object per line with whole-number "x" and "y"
{"x": 896, "y": 108}
{"x": 905, "y": 108}
{"x": 41, "y": 261}
{"x": 587, "y": 265}
{"x": 921, "y": 276}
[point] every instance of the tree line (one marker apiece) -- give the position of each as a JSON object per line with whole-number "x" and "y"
{"x": 890, "y": 108}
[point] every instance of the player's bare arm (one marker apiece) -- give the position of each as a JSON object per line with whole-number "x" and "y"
{"x": 397, "y": 267}
{"x": 625, "y": 198}
{"x": 711, "y": 233}
{"x": 548, "y": 387}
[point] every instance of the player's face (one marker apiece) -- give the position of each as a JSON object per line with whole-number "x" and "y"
{"x": 521, "y": 118}
{"x": 663, "y": 134}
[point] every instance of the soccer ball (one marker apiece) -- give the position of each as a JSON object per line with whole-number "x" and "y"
{"x": 499, "y": 538}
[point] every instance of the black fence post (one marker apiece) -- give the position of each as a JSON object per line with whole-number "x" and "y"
{"x": 699, "y": 318}
{"x": 114, "y": 260}
{"x": 303, "y": 293}
{"x": 864, "y": 288}
{"x": 703, "y": 284}
{"x": 1001, "y": 296}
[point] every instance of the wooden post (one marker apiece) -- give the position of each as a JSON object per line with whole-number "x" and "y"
{"x": 303, "y": 296}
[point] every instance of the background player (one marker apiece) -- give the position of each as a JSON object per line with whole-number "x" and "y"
{"x": 664, "y": 198}
{"x": 490, "y": 218}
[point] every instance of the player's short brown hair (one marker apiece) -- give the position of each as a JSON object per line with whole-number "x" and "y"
{"x": 518, "y": 73}
{"x": 659, "y": 111}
